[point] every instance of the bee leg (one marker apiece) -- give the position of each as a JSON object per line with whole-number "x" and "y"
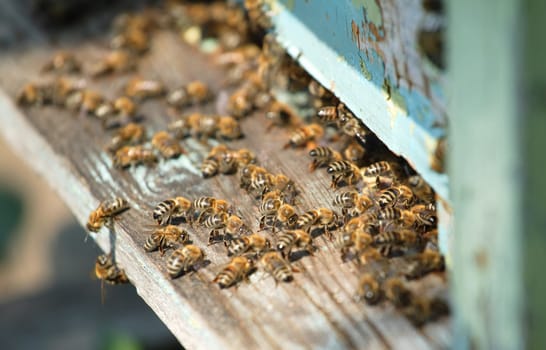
{"x": 212, "y": 236}
{"x": 313, "y": 166}
{"x": 161, "y": 250}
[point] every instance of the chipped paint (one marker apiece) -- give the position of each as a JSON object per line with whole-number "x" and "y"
{"x": 373, "y": 11}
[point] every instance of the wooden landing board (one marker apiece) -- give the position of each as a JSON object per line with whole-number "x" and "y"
{"x": 315, "y": 311}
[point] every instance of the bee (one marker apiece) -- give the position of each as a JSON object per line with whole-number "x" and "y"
{"x": 328, "y": 115}
{"x": 397, "y": 292}
{"x": 286, "y": 215}
{"x": 420, "y": 188}
{"x": 63, "y": 62}
{"x": 437, "y": 159}
{"x": 422, "y": 310}
{"x": 105, "y": 211}
{"x": 366, "y": 221}
{"x": 370, "y": 256}
{"x": 132, "y": 38}
{"x": 87, "y": 101}
{"x": 369, "y": 289}
{"x": 394, "y": 217}
{"x": 249, "y": 174}
{"x": 238, "y": 269}
{"x": 122, "y": 107}
{"x": 240, "y": 102}
{"x": 165, "y": 237}
{"x": 34, "y": 94}
{"x": 173, "y": 208}
{"x": 379, "y": 168}
{"x": 322, "y": 156}
{"x": 353, "y": 242}
{"x": 61, "y": 89}
{"x": 326, "y": 218}
{"x": 195, "y": 92}
{"x": 305, "y": 134}
{"x": 426, "y": 262}
{"x": 106, "y": 270}
{"x": 397, "y": 196}
{"x": 352, "y": 203}
{"x": 351, "y": 126}
{"x": 253, "y": 243}
{"x": 287, "y": 240}
{"x": 216, "y": 222}
{"x": 184, "y": 259}
{"x": 425, "y": 215}
{"x": 130, "y": 134}
{"x": 204, "y": 206}
{"x": 202, "y": 126}
{"x": 354, "y": 152}
{"x": 283, "y": 184}
{"x": 117, "y": 61}
{"x": 274, "y": 264}
{"x": 228, "y": 128}
{"x": 209, "y": 167}
{"x": 407, "y": 237}
{"x": 343, "y": 170}
{"x": 133, "y": 155}
{"x": 141, "y": 89}
{"x": 166, "y": 145}
{"x": 257, "y": 13}
{"x": 270, "y": 204}
{"x": 279, "y": 114}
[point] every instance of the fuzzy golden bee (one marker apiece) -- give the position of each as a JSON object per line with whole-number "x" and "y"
{"x": 141, "y": 89}
{"x": 86, "y": 101}
{"x": 195, "y": 92}
{"x": 33, "y": 94}
{"x": 274, "y": 264}
{"x": 369, "y": 289}
{"x": 167, "y": 145}
{"x": 133, "y": 155}
{"x": 165, "y": 237}
{"x": 426, "y": 262}
{"x": 128, "y": 135}
{"x": 117, "y": 61}
{"x": 323, "y": 156}
{"x": 354, "y": 152}
{"x": 305, "y": 134}
{"x": 352, "y": 203}
{"x": 422, "y": 310}
{"x": 279, "y": 115}
{"x": 396, "y": 196}
{"x": 184, "y": 259}
{"x": 420, "y": 188}
{"x": 345, "y": 171}
{"x": 63, "y": 62}
{"x": 288, "y": 240}
{"x": 173, "y": 208}
{"x": 238, "y": 269}
{"x": 232, "y": 225}
{"x": 397, "y": 292}
{"x": 326, "y": 219}
{"x": 106, "y": 270}
{"x": 254, "y": 244}
{"x": 379, "y": 168}
{"x": 353, "y": 242}
{"x": 104, "y": 212}
{"x": 286, "y": 215}
{"x": 205, "y": 206}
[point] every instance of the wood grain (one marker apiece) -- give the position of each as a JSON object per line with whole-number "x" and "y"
{"x": 315, "y": 311}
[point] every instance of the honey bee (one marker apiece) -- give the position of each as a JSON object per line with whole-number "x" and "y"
{"x": 270, "y": 204}
{"x": 184, "y": 259}
{"x": 352, "y": 203}
{"x": 287, "y": 240}
{"x": 397, "y": 292}
{"x": 240, "y": 102}
{"x": 379, "y": 168}
{"x": 286, "y": 215}
{"x": 34, "y": 94}
{"x": 62, "y": 62}
{"x": 209, "y": 167}
{"x": 354, "y": 152}
{"x": 173, "y": 208}
{"x": 369, "y": 256}
{"x": 322, "y": 156}
{"x": 369, "y": 289}
{"x": 166, "y": 145}
{"x": 394, "y": 217}
{"x": 343, "y": 170}
{"x": 204, "y": 206}
{"x": 283, "y": 184}
{"x": 423, "y": 263}
{"x": 165, "y": 237}
{"x": 121, "y": 107}
{"x": 279, "y": 114}
{"x": 420, "y": 188}
{"x": 422, "y": 310}
{"x": 141, "y": 89}
{"x": 397, "y": 196}
{"x": 133, "y": 155}
{"x": 328, "y": 115}
{"x": 257, "y": 13}
{"x": 254, "y": 243}
{"x": 274, "y": 264}
{"x": 106, "y": 211}
{"x": 133, "y": 39}
{"x": 61, "y": 89}
{"x": 351, "y": 126}
{"x": 215, "y": 222}
{"x": 425, "y": 215}
{"x": 195, "y": 92}
{"x": 366, "y": 221}
{"x": 238, "y": 269}
{"x": 407, "y": 237}
{"x": 228, "y": 128}
{"x": 87, "y": 101}
{"x": 250, "y": 174}
{"x": 437, "y": 159}
{"x": 130, "y": 134}
{"x": 305, "y": 134}
{"x": 117, "y": 61}
{"x": 323, "y": 217}
{"x": 353, "y": 242}
{"x": 107, "y": 271}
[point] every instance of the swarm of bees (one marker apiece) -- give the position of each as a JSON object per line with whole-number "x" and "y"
{"x": 380, "y": 210}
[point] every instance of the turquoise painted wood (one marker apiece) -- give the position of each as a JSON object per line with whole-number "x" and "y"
{"x": 366, "y": 52}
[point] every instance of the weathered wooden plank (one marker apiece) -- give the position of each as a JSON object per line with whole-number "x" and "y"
{"x": 315, "y": 311}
